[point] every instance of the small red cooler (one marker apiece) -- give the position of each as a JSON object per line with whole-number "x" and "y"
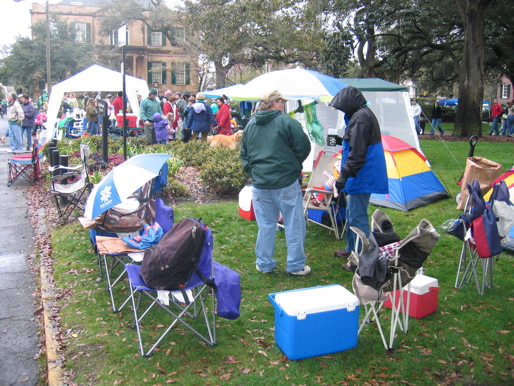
{"x": 132, "y": 120}
{"x": 424, "y": 295}
{"x": 245, "y": 203}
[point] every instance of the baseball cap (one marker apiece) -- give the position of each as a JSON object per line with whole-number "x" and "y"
{"x": 272, "y": 96}
{"x": 153, "y": 90}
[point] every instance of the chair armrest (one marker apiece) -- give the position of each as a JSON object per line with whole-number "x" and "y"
{"x": 65, "y": 169}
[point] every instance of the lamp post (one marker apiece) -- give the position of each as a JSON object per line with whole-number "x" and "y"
{"x": 123, "y": 41}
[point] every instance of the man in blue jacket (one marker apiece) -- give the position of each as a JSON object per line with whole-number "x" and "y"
{"x": 363, "y": 167}
{"x": 200, "y": 118}
{"x": 273, "y": 149}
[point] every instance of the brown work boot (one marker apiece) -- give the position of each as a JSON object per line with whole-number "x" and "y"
{"x": 342, "y": 253}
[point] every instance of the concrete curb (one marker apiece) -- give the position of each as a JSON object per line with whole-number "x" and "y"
{"x": 55, "y": 360}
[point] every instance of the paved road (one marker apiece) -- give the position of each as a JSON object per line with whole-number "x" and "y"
{"x": 18, "y": 328}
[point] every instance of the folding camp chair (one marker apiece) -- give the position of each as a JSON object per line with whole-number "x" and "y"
{"x": 70, "y": 186}
{"x": 113, "y": 253}
{"x": 24, "y": 165}
{"x": 193, "y": 312}
{"x": 388, "y": 269}
{"x": 321, "y": 206}
{"x": 480, "y": 243}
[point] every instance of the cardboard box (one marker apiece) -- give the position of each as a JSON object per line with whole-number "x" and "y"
{"x": 132, "y": 120}
{"x": 424, "y": 296}
{"x": 245, "y": 203}
{"x": 315, "y": 321}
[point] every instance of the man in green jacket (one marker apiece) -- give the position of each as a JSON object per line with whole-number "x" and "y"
{"x": 273, "y": 149}
{"x": 149, "y": 106}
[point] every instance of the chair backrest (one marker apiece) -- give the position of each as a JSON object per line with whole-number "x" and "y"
{"x": 85, "y": 154}
{"x": 325, "y": 163}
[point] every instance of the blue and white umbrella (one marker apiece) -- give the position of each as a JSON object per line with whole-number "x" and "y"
{"x": 295, "y": 83}
{"x": 122, "y": 181}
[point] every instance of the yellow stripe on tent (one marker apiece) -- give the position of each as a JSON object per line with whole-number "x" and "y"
{"x": 409, "y": 163}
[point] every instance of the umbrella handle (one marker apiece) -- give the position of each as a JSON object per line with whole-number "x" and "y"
{"x": 472, "y": 143}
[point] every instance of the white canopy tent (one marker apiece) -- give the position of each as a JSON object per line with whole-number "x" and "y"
{"x": 94, "y": 78}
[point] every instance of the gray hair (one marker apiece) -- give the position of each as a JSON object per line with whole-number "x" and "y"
{"x": 265, "y": 106}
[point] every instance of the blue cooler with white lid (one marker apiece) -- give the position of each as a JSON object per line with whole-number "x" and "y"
{"x": 315, "y": 321}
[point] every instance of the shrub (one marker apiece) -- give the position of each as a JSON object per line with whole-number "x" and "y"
{"x": 192, "y": 153}
{"x": 175, "y": 188}
{"x": 223, "y": 173}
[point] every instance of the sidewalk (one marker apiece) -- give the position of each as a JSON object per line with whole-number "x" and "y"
{"x": 18, "y": 328}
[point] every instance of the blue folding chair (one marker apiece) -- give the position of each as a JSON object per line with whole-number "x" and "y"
{"x": 194, "y": 312}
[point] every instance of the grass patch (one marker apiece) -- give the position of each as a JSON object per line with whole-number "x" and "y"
{"x": 467, "y": 341}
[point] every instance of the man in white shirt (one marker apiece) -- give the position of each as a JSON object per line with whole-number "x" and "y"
{"x": 417, "y": 113}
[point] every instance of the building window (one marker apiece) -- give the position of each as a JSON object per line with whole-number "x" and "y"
{"x": 179, "y": 33}
{"x": 156, "y": 38}
{"x": 156, "y": 73}
{"x": 180, "y": 73}
{"x": 82, "y": 32}
{"x": 505, "y": 91}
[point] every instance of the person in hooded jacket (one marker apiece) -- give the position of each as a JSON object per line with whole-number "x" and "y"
{"x": 273, "y": 149}
{"x": 159, "y": 125}
{"x": 223, "y": 117}
{"x": 363, "y": 166}
{"x": 200, "y": 118}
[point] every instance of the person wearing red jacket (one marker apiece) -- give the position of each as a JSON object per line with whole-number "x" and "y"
{"x": 118, "y": 103}
{"x": 170, "y": 106}
{"x": 496, "y": 113}
{"x": 223, "y": 117}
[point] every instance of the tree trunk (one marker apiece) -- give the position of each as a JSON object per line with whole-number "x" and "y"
{"x": 468, "y": 120}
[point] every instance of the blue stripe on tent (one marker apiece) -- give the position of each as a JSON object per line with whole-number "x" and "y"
{"x": 411, "y": 192}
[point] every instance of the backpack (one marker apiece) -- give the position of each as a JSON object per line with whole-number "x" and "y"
{"x": 170, "y": 264}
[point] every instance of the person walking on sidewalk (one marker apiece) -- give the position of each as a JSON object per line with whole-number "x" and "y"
{"x": 496, "y": 113}
{"x": 437, "y": 117}
{"x": 273, "y": 149}
{"x": 363, "y": 166}
{"x": 27, "y": 126}
{"x": 15, "y": 117}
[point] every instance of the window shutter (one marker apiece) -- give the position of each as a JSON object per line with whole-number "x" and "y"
{"x": 508, "y": 90}
{"x": 150, "y": 72}
{"x": 163, "y": 37}
{"x": 173, "y": 74}
{"x": 88, "y": 32}
{"x": 164, "y": 73}
{"x": 149, "y": 36}
{"x": 188, "y": 77}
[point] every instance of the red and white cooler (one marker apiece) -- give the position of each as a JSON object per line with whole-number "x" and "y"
{"x": 424, "y": 296}
{"x": 245, "y": 203}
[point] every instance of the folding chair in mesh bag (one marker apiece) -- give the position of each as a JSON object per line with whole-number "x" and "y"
{"x": 383, "y": 271}
{"x": 113, "y": 252}
{"x": 482, "y": 240}
{"x": 24, "y": 165}
{"x": 322, "y": 205}
{"x": 190, "y": 307}
{"x": 70, "y": 186}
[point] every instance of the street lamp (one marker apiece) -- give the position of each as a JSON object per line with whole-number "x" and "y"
{"x": 122, "y": 42}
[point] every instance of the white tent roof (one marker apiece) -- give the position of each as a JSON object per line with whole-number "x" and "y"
{"x": 94, "y": 78}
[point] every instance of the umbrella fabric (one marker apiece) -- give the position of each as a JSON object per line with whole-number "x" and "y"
{"x": 295, "y": 83}
{"x": 122, "y": 181}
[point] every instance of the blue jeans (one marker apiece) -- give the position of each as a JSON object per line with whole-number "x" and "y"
{"x": 494, "y": 128}
{"x": 15, "y": 139}
{"x": 510, "y": 124}
{"x": 356, "y": 216}
{"x": 417, "y": 126}
{"x": 27, "y": 131}
{"x": 92, "y": 128}
{"x": 267, "y": 203}
{"x": 436, "y": 122}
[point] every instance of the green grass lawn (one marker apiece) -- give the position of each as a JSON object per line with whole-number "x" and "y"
{"x": 468, "y": 340}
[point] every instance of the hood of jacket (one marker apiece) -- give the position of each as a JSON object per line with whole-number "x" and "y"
{"x": 198, "y": 107}
{"x": 348, "y": 100}
{"x": 157, "y": 117}
{"x": 265, "y": 116}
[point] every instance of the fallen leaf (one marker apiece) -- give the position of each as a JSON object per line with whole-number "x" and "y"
{"x": 503, "y": 331}
{"x": 263, "y": 353}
